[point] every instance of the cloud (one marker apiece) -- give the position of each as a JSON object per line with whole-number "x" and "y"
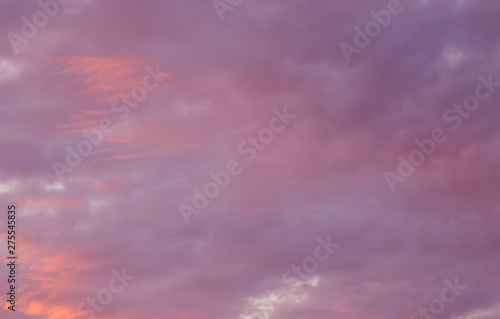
{"x": 322, "y": 175}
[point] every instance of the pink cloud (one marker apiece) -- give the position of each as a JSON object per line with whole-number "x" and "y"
{"x": 323, "y": 175}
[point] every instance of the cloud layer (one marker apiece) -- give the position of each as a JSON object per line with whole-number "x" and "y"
{"x": 323, "y": 175}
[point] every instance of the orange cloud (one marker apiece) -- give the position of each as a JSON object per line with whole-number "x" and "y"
{"x": 106, "y": 76}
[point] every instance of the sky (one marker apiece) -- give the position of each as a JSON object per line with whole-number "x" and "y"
{"x": 251, "y": 159}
